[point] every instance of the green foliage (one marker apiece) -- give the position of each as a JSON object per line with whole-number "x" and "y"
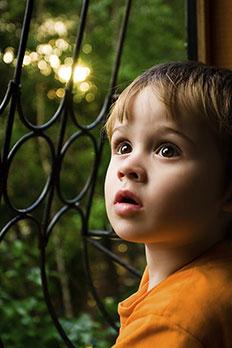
{"x": 24, "y": 317}
{"x": 156, "y": 33}
{"x": 84, "y": 332}
{"x": 25, "y": 321}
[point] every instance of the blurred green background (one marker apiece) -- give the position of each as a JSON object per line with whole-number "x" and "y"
{"x": 156, "y": 33}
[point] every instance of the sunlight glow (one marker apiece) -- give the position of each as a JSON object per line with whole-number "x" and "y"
{"x": 62, "y": 44}
{"x": 57, "y": 51}
{"x": 52, "y": 27}
{"x": 64, "y": 73}
{"x": 34, "y": 56}
{"x": 42, "y": 65}
{"x": 81, "y": 73}
{"x": 8, "y": 57}
{"x": 60, "y": 28}
{"x": 54, "y": 61}
{"x": 46, "y": 49}
{"x": 27, "y": 60}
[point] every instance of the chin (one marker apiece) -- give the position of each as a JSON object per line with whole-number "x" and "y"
{"x": 130, "y": 236}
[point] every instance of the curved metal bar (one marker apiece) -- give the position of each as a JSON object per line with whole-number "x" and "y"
{"x": 55, "y": 220}
{"x": 7, "y": 140}
{"x": 104, "y": 111}
{"x": 46, "y": 125}
{"x": 59, "y": 214}
{"x": 6, "y": 99}
{"x": 16, "y": 147}
{"x": 14, "y": 221}
{"x": 90, "y": 178}
{"x": 8, "y": 226}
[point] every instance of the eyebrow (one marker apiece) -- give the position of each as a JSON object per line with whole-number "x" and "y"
{"x": 162, "y": 130}
{"x": 175, "y": 131}
{"x": 119, "y": 128}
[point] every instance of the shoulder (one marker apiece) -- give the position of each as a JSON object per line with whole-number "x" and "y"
{"x": 198, "y": 298}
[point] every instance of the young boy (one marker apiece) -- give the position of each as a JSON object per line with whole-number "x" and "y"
{"x": 168, "y": 186}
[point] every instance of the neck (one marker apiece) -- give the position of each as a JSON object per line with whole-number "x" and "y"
{"x": 162, "y": 262}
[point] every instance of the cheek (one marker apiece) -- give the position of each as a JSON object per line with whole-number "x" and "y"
{"x": 108, "y": 183}
{"x": 181, "y": 188}
{"x": 193, "y": 192}
{"x": 110, "y": 193}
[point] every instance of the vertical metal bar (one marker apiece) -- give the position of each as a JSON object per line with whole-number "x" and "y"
{"x": 79, "y": 38}
{"x": 121, "y": 40}
{"x": 23, "y": 41}
{"x": 191, "y": 24}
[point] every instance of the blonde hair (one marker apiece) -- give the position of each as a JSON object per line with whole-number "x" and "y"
{"x": 191, "y": 87}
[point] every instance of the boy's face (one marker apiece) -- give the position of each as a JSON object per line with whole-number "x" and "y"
{"x": 165, "y": 179}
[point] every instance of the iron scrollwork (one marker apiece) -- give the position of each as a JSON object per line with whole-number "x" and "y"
{"x": 12, "y": 100}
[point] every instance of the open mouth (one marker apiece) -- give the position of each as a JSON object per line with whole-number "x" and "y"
{"x": 129, "y": 201}
{"x": 127, "y": 197}
{"x": 126, "y": 204}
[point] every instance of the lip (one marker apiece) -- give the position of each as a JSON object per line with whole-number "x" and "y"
{"x": 126, "y": 203}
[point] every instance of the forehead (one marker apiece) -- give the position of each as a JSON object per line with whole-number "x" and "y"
{"x": 150, "y": 101}
{"x": 146, "y": 107}
{"x": 122, "y": 111}
{"x": 146, "y": 103}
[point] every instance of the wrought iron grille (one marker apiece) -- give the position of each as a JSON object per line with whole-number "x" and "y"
{"x": 61, "y": 117}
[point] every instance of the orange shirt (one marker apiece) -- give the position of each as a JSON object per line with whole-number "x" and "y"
{"x": 192, "y": 308}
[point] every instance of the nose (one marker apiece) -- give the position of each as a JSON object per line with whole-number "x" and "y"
{"x": 132, "y": 170}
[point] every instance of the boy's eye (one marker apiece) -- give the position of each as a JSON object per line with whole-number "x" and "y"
{"x": 168, "y": 151}
{"x": 124, "y": 148}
